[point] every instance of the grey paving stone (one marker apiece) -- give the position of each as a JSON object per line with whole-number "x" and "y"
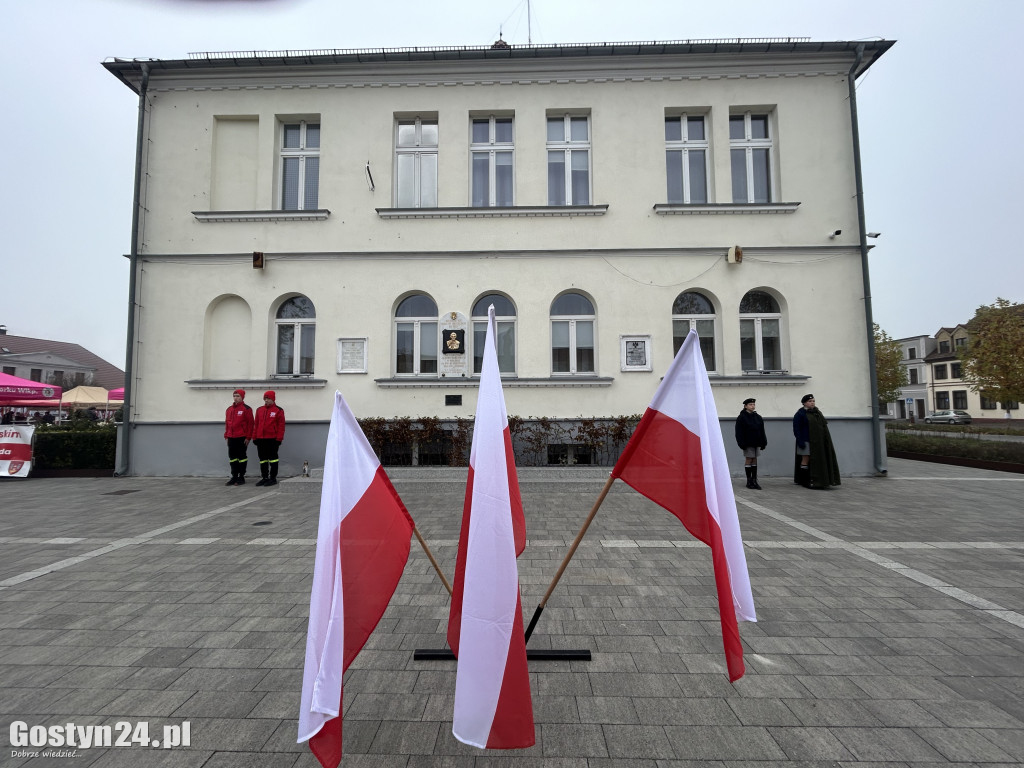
{"x": 762, "y": 712}
{"x": 886, "y": 744}
{"x": 637, "y": 742}
{"x": 801, "y": 743}
{"x": 571, "y": 740}
{"x": 710, "y": 742}
{"x": 961, "y": 745}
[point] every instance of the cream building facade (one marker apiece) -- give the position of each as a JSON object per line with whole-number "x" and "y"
{"x": 313, "y": 221}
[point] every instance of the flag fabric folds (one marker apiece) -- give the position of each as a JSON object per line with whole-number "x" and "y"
{"x": 676, "y": 458}
{"x": 493, "y": 707}
{"x": 362, "y": 548}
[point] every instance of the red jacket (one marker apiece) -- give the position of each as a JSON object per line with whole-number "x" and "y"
{"x": 269, "y": 422}
{"x": 238, "y": 421}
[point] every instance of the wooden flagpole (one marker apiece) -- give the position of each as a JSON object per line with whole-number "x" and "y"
{"x": 568, "y": 556}
{"x": 433, "y": 562}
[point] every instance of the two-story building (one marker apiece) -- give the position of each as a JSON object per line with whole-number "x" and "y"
{"x": 321, "y": 220}
{"x": 915, "y": 396}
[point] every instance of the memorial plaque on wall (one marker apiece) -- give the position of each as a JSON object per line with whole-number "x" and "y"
{"x": 455, "y": 357}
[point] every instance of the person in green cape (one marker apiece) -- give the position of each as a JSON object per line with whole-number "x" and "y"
{"x": 815, "y": 465}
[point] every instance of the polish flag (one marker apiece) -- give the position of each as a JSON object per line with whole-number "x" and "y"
{"x": 676, "y": 458}
{"x": 493, "y": 708}
{"x": 362, "y": 547}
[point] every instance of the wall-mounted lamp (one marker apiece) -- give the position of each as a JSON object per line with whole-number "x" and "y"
{"x": 257, "y": 259}
{"x": 874, "y": 234}
{"x": 834, "y": 235}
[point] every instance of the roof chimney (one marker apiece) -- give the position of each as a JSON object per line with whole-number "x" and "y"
{"x": 3, "y": 330}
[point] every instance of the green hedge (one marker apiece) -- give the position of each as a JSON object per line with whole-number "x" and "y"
{"x": 960, "y": 447}
{"x": 77, "y": 447}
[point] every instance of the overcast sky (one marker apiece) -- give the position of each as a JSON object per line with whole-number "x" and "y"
{"x": 942, "y": 168}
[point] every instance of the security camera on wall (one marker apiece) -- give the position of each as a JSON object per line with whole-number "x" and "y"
{"x": 834, "y": 235}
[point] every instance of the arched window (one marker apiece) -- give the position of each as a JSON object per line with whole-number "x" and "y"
{"x": 505, "y": 341}
{"x": 572, "y": 335}
{"x": 760, "y": 332}
{"x": 416, "y": 336}
{"x": 296, "y": 337}
{"x": 694, "y": 311}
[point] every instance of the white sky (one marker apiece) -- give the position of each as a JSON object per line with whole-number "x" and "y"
{"x": 941, "y": 167}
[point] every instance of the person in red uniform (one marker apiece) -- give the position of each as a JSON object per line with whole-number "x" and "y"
{"x": 238, "y": 424}
{"x": 268, "y": 435}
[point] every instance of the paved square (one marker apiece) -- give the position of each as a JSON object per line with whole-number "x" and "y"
{"x": 891, "y": 624}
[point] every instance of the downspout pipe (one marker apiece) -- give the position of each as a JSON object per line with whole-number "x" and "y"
{"x": 124, "y": 466}
{"x": 876, "y": 430}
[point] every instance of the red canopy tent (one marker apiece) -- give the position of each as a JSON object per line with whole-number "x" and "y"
{"x": 116, "y": 394}
{"x": 12, "y": 389}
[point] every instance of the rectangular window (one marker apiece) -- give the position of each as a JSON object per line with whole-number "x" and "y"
{"x": 960, "y": 342}
{"x": 492, "y": 154}
{"x": 686, "y": 159}
{"x": 960, "y": 399}
{"x": 940, "y": 372}
{"x": 505, "y": 345}
{"x": 416, "y": 163}
{"x": 10, "y": 370}
{"x": 912, "y": 353}
{"x": 944, "y": 347}
{"x": 1010, "y": 405}
{"x": 300, "y": 166}
{"x": 750, "y": 149}
{"x": 568, "y": 147}
{"x": 36, "y": 374}
{"x": 942, "y": 401}
{"x": 987, "y": 403}
{"x": 913, "y": 376}
{"x": 955, "y": 371}
{"x": 760, "y": 344}
{"x": 572, "y": 346}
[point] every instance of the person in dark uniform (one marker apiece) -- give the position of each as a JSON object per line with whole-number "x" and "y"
{"x": 751, "y": 439}
{"x": 268, "y": 434}
{"x": 815, "y": 465}
{"x": 238, "y": 425}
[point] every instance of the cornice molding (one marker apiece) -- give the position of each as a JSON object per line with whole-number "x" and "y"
{"x": 692, "y": 209}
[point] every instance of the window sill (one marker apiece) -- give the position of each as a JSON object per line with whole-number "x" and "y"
{"x": 493, "y": 212}
{"x": 297, "y": 382}
{"x": 246, "y": 216}
{"x": 506, "y": 383}
{"x": 666, "y": 209}
{"x": 751, "y": 377}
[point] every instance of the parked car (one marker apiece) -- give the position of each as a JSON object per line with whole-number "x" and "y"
{"x": 949, "y": 417}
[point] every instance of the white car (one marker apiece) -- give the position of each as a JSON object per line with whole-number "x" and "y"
{"x": 949, "y": 417}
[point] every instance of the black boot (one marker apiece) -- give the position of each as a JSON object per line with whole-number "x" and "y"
{"x": 263, "y": 472}
{"x": 748, "y": 470}
{"x": 234, "y": 475}
{"x": 273, "y": 474}
{"x": 805, "y": 476}
{"x": 753, "y": 478}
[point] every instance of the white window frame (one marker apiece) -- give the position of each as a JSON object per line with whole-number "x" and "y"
{"x": 573, "y": 320}
{"x": 512, "y": 320}
{"x": 302, "y": 152}
{"x": 297, "y": 324}
{"x": 758, "y": 318}
{"x": 685, "y": 146}
{"x": 491, "y": 148}
{"x": 748, "y": 145}
{"x": 352, "y": 355}
{"x": 691, "y": 320}
{"x": 417, "y": 323}
{"x": 419, "y": 151}
{"x": 567, "y": 146}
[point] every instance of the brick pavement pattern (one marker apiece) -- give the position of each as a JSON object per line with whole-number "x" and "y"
{"x": 890, "y": 632}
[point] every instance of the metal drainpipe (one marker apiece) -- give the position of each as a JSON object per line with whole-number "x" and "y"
{"x": 127, "y": 420}
{"x": 876, "y": 430}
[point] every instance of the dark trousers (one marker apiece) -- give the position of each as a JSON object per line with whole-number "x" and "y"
{"x": 267, "y": 449}
{"x": 237, "y": 456}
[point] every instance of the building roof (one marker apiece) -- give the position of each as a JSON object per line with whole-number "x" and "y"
{"x": 107, "y": 376}
{"x": 129, "y": 70}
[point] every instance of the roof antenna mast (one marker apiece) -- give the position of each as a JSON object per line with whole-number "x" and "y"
{"x": 529, "y": 25}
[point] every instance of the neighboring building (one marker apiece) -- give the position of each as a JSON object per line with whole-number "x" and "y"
{"x": 56, "y": 362}
{"x": 936, "y": 381}
{"x": 593, "y": 193}
{"x": 914, "y": 397}
{"x": 948, "y": 389}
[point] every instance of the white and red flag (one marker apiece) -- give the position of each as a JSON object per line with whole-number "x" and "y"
{"x": 493, "y": 708}
{"x": 361, "y": 550}
{"x": 676, "y": 458}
